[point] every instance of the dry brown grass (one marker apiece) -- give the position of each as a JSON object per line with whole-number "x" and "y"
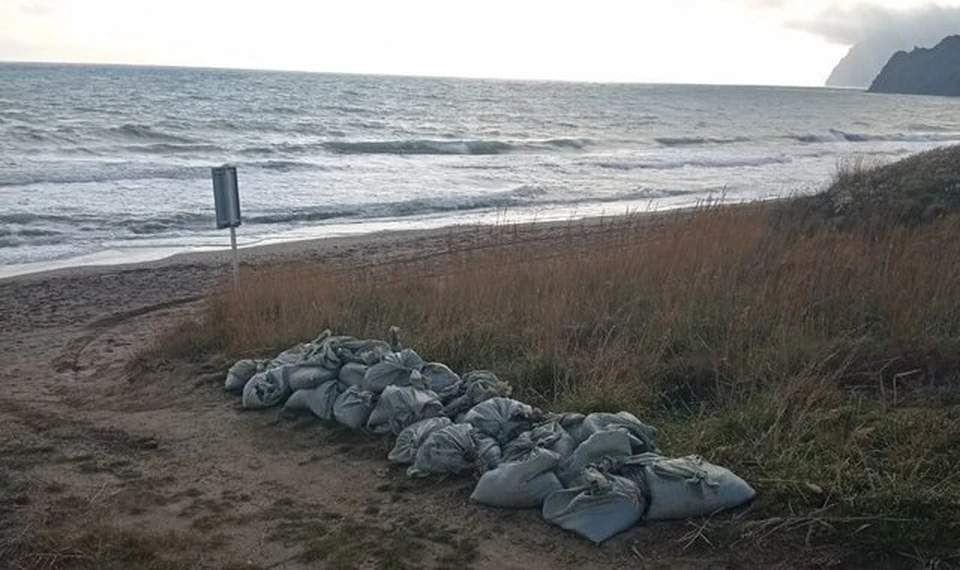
{"x": 822, "y": 365}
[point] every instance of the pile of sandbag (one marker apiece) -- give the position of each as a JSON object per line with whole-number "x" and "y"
{"x": 595, "y": 475}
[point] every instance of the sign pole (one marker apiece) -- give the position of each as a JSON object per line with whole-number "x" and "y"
{"x": 236, "y": 257}
{"x": 226, "y": 200}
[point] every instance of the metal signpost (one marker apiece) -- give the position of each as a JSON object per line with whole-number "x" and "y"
{"x": 226, "y": 199}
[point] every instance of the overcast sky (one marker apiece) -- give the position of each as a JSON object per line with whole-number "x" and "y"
{"x": 774, "y": 42}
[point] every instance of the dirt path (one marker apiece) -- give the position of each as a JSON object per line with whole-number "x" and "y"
{"x": 101, "y": 469}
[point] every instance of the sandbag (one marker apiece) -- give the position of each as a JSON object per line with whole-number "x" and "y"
{"x": 449, "y": 450}
{"x": 643, "y": 436}
{"x": 445, "y": 382}
{"x": 290, "y": 356}
{"x": 488, "y": 450}
{"x": 603, "y": 507}
{"x": 266, "y": 389}
{"x": 572, "y": 423}
{"x": 241, "y": 372}
{"x": 304, "y": 376}
{"x": 319, "y": 400}
{"x": 396, "y": 369}
{"x": 686, "y": 487}
{"x": 352, "y": 407}
{"x": 409, "y": 439}
{"x": 518, "y": 448}
{"x": 333, "y": 351}
{"x": 477, "y": 386}
{"x": 400, "y": 406}
{"x": 366, "y": 352}
{"x": 352, "y": 373}
{"x": 322, "y": 352}
{"x": 551, "y": 435}
{"x": 599, "y": 445}
{"x": 501, "y": 418}
{"x": 519, "y": 484}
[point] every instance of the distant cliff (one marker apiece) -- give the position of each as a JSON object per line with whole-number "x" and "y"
{"x": 862, "y": 63}
{"x": 934, "y": 71}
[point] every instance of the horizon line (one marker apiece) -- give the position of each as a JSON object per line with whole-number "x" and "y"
{"x": 412, "y": 75}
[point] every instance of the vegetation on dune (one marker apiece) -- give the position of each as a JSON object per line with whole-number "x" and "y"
{"x": 913, "y": 191}
{"x": 819, "y": 360}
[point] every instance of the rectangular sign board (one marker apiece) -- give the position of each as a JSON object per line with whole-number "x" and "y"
{"x": 226, "y": 196}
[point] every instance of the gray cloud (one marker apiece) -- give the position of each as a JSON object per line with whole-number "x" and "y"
{"x": 866, "y": 22}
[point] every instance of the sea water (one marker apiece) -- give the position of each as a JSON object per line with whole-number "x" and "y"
{"x": 105, "y": 164}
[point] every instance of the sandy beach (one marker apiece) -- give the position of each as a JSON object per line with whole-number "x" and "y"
{"x": 165, "y": 453}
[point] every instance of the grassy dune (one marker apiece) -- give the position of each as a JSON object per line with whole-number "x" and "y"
{"x": 812, "y": 346}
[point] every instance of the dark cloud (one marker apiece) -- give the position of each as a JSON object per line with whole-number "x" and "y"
{"x": 865, "y": 22}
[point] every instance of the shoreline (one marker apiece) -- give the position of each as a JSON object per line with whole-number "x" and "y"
{"x": 340, "y": 248}
{"x": 67, "y": 297}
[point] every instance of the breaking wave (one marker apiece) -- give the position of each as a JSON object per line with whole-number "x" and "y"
{"x": 834, "y": 135}
{"x": 147, "y": 133}
{"x": 693, "y": 163}
{"x": 461, "y": 147}
{"x": 697, "y": 141}
{"x": 82, "y": 174}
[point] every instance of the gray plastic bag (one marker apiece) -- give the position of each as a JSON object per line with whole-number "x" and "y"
{"x": 686, "y": 487}
{"x": 502, "y": 418}
{"x": 319, "y": 400}
{"x": 551, "y": 435}
{"x": 409, "y": 439}
{"x": 304, "y": 376}
{"x": 518, "y": 448}
{"x": 450, "y": 450}
{"x": 572, "y": 422}
{"x": 477, "y": 386}
{"x": 352, "y": 373}
{"x": 643, "y": 437}
{"x": 366, "y": 352}
{"x": 396, "y": 369}
{"x": 603, "y": 507}
{"x": 488, "y": 450}
{"x": 445, "y": 382}
{"x": 292, "y": 355}
{"x": 599, "y": 445}
{"x": 400, "y": 406}
{"x": 241, "y": 372}
{"x": 352, "y": 408}
{"x": 266, "y": 389}
{"x": 519, "y": 484}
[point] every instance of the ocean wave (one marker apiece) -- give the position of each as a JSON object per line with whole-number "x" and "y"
{"x": 643, "y": 194}
{"x": 83, "y": 174}
{"x": 162, "y": 224}
{"x": 693, "y": 162}
{"x": 697, "y": 141}
{"x": 38, "y": 229}
{"x": 29, "y": 227}
{"x": 835, "y": 135}
{"x": 12, "y": 241}
{"x": 173, "y": 148}
{"x": 147, "y": 133}
{"x": 522, "y": 195}
{"x": 24, "y": 218}
{"x": 282, "y": 149}
{"x": 462, "y": 147}
{"x": 285, "y": 165}
{"x": 30, "y": 236}
{"x": 420, "y": 147}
